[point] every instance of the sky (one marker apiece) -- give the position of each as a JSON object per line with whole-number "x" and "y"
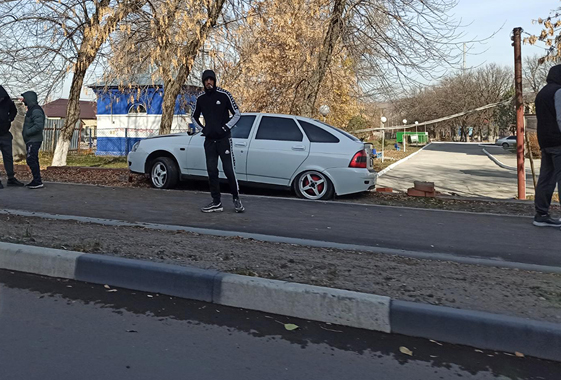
{"x": 494, "y": 21}
{"x": 490, "y": 21}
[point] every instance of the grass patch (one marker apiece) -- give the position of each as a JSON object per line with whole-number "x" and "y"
{"x": 85, "y": 160}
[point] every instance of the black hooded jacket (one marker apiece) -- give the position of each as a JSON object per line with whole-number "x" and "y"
{"x": 547, "y": 113}
{"x": 216, "y": 105}
{"x": 8, "y": 112}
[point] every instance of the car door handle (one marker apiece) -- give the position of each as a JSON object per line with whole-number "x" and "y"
{"x": 298, "y": 147}
{"x": 240, "y": 144}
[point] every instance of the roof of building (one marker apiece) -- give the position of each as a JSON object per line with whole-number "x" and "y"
{"x": 57, "y": 109}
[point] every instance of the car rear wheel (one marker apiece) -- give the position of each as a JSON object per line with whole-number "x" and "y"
{"x": 313, "y": 185}
{"x": 164, "y": 173}
{"x": 505, "y": 145}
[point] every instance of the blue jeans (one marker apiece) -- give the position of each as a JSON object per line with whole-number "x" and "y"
{"x": 33, "y": 159}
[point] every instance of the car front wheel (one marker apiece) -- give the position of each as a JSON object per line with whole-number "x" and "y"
{"x": 505, "y": 145}
{"x": 164, "y": 173}
{"x": 313, "y": 185}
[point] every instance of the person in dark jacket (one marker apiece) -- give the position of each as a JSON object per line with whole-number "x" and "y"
{"x": 33, "y": 136}
{"x": 216, "y": 105}
{"x": 8, "y": 113}
{"x": 548, "y": 113}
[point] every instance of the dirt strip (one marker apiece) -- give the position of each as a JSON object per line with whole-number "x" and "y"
{"x": 507, "y": 291}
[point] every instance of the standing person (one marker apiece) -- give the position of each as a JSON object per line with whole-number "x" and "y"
{"x": 33, "y": 136}
{"x": 216, "y": 105}
{"x": 548, "y": 113}
{"x": 8, "y": 113}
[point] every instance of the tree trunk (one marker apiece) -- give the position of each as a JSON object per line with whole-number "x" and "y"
{"x": 72, "y": 117}
{"x": 172, "y": 87}
{"x": 334, "y": 32}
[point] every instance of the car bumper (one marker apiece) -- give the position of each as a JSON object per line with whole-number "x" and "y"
{"x": 351, "y": 180}
{"x": 136, "y": 162}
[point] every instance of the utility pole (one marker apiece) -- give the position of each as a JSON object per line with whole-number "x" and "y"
{"x": 516, "y": 38}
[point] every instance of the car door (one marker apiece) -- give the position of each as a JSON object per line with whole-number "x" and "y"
{"x": 195, "y": 154}
{"x": 277, "y": 150}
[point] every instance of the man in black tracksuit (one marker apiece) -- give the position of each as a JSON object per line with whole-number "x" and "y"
{"x": 8, "y": 112}
{"x": 548, "y": 113}
{"x": 216, "y": 105}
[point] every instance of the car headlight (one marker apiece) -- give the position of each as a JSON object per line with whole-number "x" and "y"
{"x": 135, "y": 146}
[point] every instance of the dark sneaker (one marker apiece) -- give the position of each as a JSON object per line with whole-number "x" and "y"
{"x": 238, "y": 206}
{"x": 35, "y": 185}
{"x": 546, "y": 221}
{"x": 14, "y": 182}
{"x": 213, "y": 207}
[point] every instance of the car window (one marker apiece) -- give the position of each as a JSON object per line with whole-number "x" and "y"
{"x": 279, "y": 129}
{"x": 243, "y": 127}
{"x": 316, "y": 134}
{"x": 340, "y": 131}
{"x": 512, "y": 138}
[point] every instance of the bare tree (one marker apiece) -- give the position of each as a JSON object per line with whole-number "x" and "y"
{"x": 390, "y": 41}
{"x": 165, "y": 38}
{"x": 61, "y": 37}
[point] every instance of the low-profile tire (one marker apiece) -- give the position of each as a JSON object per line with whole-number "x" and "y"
{"x": 164, "y": 173}
{"x": 505, "y": 146}
{"x": 313, "y": 185}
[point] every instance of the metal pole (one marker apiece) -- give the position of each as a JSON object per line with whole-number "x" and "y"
{"x": 383, "y": 140}
{"x": 519, "y": 113}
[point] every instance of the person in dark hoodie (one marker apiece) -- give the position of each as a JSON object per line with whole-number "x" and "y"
{"x": 33, "y": 136}
{"x": 548, "y": 113}
{"x": 216, "y": 105}
{"x": 8, "y": 113}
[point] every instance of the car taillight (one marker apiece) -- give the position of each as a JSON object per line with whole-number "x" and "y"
{"x": 359, "y": 160}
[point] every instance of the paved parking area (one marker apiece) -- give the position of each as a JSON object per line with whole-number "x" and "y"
{"x": 461, "y": 169}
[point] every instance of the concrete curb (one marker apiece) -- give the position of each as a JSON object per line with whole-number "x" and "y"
{"x": 496, "y": 161}
{"x": 354, "y": 309}
{"x": 384, "y": 171}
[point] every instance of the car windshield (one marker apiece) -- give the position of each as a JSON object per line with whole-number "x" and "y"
{"x": 340, "y": 131}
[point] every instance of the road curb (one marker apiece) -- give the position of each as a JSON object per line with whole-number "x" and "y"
{"x": 496, "y": 161}
{"x": 384, "y": 171}
{"x": 367, "y": 311}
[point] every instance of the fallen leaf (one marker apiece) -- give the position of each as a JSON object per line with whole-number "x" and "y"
{"x": 479, "y": 351}
{"x": 519, "y": 354}
{"x": 112, "y": 290}
{"x": 106, "y": 286}
{"x": 150, "y": 296}
{"x": 433, "y": 356}
{"x": 406, "y": 351}
{"x": 290, "y": 326}
{"x": 435, "y": 342}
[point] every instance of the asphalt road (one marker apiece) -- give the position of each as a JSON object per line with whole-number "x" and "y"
{"x": 55, "y": 329}
{"x": 461, "y": 169}
{"x": 465, "y": 234}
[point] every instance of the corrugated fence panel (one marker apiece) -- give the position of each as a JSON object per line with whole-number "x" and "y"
{"x": 52, "y": 132}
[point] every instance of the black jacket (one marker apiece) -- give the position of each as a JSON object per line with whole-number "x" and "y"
{"x": 8, "y": 112}
{"x": 549, "y": 130}
{"x": 216, "y": 105}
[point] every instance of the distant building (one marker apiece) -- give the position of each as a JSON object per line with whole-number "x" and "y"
{"x": 125, "y": 116}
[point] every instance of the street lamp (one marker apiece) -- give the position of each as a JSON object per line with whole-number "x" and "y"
{"x": 383, "y": 119}
{"x": 416, "y": 124}
{"x": 403, "y": 137}
{"x": 324, "y": 111}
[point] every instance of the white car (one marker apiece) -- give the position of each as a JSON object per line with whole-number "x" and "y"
{"x": 507, "y": 142}
{"x": 312, "y": 158}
